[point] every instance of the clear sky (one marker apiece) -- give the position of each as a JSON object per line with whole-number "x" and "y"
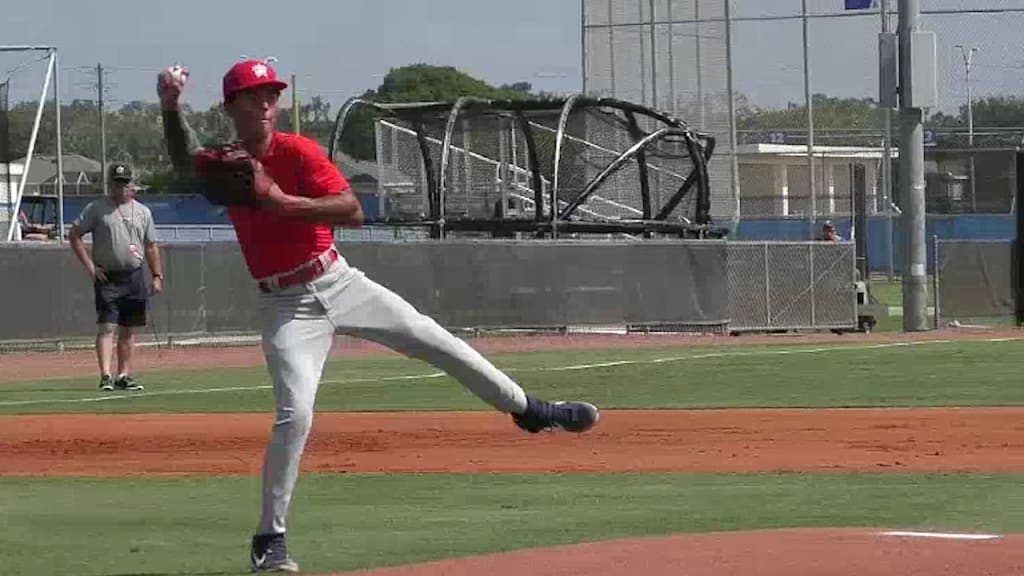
{"x": 339, "y": 48}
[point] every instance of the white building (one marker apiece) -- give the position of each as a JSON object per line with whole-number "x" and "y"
{"x": 774, "y": 179}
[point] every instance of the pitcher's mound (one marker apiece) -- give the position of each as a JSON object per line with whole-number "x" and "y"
{"x": 802, "y": 552}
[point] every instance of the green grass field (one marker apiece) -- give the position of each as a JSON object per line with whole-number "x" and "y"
{"x": 201, "y": 525}
{"x": 341, "y": 522}
{"x": 926, "y": 374}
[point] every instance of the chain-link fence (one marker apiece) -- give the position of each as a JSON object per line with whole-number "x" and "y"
{"x": 789, "y": 89}
{"x": 791, "y": 285}
{"x": 671, "y": 56}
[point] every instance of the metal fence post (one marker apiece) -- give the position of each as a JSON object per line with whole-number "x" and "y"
{"x": 935, "y": 282}
{"x": 767, "y": 289}
{"x": 810, "y": 266}
{"x": 203, "y": 288}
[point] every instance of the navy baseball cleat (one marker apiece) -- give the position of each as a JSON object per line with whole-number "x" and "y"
{"x": 127, "y": 383}
{"x": 569, "y": 416}
{"x": 106, "y": 383}
{"x": 269, "y": 553}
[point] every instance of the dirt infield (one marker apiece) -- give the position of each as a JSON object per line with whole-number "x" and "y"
{"x": 23, "y": 366}
{"x": 768, "y": 553}
{"x": 934, "y": 440}
{"x": 975, "y": 439}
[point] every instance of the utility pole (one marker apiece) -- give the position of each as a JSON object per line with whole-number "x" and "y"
{"x": 295, "y": 106}
{"x": 968, "y": 56}
{"x": 103, "y": 124}
{"x": 917, "y": 91}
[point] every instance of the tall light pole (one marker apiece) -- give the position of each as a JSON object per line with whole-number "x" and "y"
{"x": 968, "y": 56}
{"x": 914, "y": 55}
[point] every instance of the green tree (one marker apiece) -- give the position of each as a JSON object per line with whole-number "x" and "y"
{"x": 524, "y": 87}
{"x": 422, "y": 83}
{"x": 829, "y": 113}
{"x": 996, "y": 112}
{"x": 134, "y": 132}
{"x": 426, "y": 83}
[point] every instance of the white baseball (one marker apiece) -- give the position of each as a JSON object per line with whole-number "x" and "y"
{"x": 179, "y": 74}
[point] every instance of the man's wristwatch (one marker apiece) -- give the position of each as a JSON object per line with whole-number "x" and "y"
{"x": 160, "y": 276}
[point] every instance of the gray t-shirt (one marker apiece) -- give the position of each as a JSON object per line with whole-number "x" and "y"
{"x": 120, "y": 233}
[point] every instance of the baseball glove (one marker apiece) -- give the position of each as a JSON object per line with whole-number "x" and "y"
{"x": 230, "y": 176}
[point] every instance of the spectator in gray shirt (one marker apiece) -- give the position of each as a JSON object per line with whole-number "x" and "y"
{"x": 123, "y": 235}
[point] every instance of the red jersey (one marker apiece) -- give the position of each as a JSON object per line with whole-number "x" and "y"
{"x": 272, "y": 243}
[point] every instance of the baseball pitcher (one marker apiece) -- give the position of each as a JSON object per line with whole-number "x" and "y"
{"x": 285, "y": 197}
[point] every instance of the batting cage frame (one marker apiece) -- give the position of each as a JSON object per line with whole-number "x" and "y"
{"x": 547, "y": 168}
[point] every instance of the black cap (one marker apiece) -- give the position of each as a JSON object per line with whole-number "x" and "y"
{"x": 119, "y": 171}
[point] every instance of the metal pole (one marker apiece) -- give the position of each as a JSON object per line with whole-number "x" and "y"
{"x": 697, "y": 58}
{"x": 643, "y": 57}
{"x": 103, "y": 125}
{"x": 935, "y": 281}
{"x": 654, "y": 60}
{"x": 25, "y": 47}
{"x": 767, "y": 288}
{"x": 887, "y": 187}
{"x": 611, "y": 51}
{"x": 810, "y": 266}
{"x": 968, "y": 56}
{"x": 671, "y": 60}
{"x": 60, "y": 148}
{"x": 733, "y": 160}
{"x": 809, "y": 99}
{"x": 295, "y": 107}
{"x": 583, "y": 44}
{"x": 912, "y": 185}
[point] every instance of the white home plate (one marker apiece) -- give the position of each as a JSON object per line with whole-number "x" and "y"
{"x": 942, "y": 535}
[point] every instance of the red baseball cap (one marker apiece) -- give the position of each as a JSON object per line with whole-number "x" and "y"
{"x": 250, "y": 74}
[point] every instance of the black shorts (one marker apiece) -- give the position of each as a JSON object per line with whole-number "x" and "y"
{"x": 121, "y": 299}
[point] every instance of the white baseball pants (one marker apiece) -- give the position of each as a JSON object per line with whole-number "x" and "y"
{"x": 298, "y": 325}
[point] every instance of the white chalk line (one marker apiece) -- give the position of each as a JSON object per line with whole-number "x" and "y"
{"x": 110, "y": 397}
{"x": 572, "y": 367}
{"x": 940, "y": 535}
